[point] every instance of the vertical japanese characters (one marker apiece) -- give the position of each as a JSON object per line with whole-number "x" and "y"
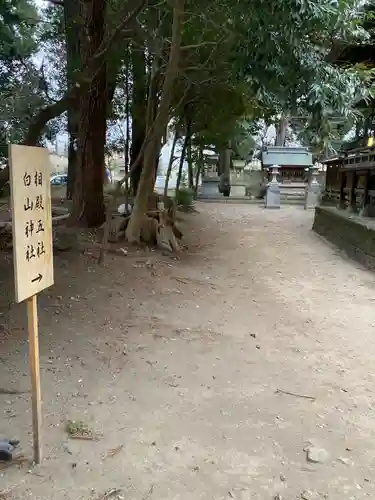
{"x": 29, "y": 169}
{"x": 34, "y": 225}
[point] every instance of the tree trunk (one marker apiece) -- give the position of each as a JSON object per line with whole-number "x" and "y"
{"x": 133, "y": 231}
{"x": 157, "y": 161}
{"x": 199, "y": 170}
{"x": 139, "y": 104}
{"x": 227, "y": 161}
{"x": 220, "y": 163}
{"x": 170, "y": 164}
{"x": 181, "y": 164}
{"x": 127, "y": 131}
{"x": 224, "y": 162}
{"x": 73, "y": 34}
{"x": 281, "y": 131}
{"x": 189, "y": 157}
{"x": 152, "y": 108}
{"x": 72, "y": 154}
{"x": 88, "y": 201}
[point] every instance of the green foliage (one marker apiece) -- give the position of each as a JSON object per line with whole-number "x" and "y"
{"x": 283, "y": 56}
{"x": 17, "y": 23}
{"x": 243, "y": 141}
{"x": 261, "y": 59}
{"x": 17, "y": 106}
{"x": 241, "y": 61}
{"x": 51, "y": 41}
{"x": 185, "y": 199}
{"x": 21, "y": 87}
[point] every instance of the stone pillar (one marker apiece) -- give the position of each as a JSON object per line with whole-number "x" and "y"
{"x": 364, "y": 211}
{"x": 273, "y": 190}
{"x": 312, "y": 192}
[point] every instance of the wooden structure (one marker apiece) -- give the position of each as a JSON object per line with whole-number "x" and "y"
{"x": 350, "y": 176}
{"x": 331, "y": 193}
{"x": 294, "y": 163}
{"x": 350, "y": 182}
{"x": 290, "y": 174}
{"x": 345, "y": 217}
{"x": 293, "y": 168}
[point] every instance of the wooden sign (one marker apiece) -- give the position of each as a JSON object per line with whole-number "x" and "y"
{"x": 32, "y": 252}
{"x": 31, "y": 220}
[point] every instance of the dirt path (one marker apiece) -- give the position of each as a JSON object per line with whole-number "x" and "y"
{"x": 177, "y": 364}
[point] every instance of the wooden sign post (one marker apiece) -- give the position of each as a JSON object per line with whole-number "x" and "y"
{"x": 32, "y": 252}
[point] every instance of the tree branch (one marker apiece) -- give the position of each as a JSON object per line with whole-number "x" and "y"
{"x": 198, "y": 45}
{"x": 45, "y": 115}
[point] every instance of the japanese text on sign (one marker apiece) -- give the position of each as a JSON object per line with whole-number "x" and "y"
{"x": 34, "y": 226}
{"x": 32, "y": 221}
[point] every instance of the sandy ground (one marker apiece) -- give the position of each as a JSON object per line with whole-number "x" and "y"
{"x": 176, "y": 365}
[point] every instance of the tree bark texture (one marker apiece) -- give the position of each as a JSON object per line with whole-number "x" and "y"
{"x": 199, "y": 169}
{"x": 73, "y": 32}
{"x": 127, "y": 122}
{"x": 88, "y": 202}
{"x": 139, "y": 107}
{"x": 281, "y": 131}
{"x": 189, "y": 155}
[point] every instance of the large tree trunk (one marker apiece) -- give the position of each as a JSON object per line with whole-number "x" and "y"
{"x": 139, "y": 106}
{"x": 88, "y": 202}
{"x": 73, "y": 34}
{"x": 133, "y": 231}
{"x": 281, "y": 131}
{"x": 225, "y": 163}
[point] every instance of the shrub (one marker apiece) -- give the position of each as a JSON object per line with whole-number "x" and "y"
{"x": 185, "y": 199}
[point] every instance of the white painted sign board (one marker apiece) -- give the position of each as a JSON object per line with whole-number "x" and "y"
{"x": 31, "y": 220}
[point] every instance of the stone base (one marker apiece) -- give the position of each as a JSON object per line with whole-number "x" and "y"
{"x": 313, "y": 195}
{"x": 364, "y": 212}
{"x": 311, "y": 199}
{"x": 351, "y": 233}
{"x": 273, "y": 196}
